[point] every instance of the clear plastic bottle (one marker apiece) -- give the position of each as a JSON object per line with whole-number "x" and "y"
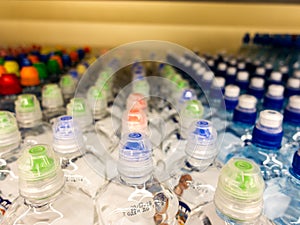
{"x": 265, "y": 148}
{"x": 291, "y": 119}
{"x": 68, "y": 86}
{"x": 44, "y": 197}
{"x": 97, "y": 101}
{"x": 242, "y": 81}
{"x": 282, "y": 196}
{"x": 69, "y": 145}
{"x": 29, "y": 116}
{"x": 256, "y": 88}
{"x": 10, "y": 140}
{"x": 193, "y": 177}
{"x": 238, "y": 199}
{"x": 52, "y": 102}
{"x": 230, "y": 75}
{"x": 135, "y": 196}
{"x": 274, "y": 98}
{"x": 191, "y": 111}
{"x": 292, "y": 87}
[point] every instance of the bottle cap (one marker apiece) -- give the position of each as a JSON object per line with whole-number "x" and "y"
{"x": 276, "y": 90}
{"x": 196, "y": 66}
{"x": 218, "y": 82}
{"x": 293, "y": 83}
{"x": 66, "y": 60}
{"x": 29, "y": 76}
{"x": 74, "y": 56}
{"x": 52, "y": 96}
{"x": 41, "y": 69}
{"x": 135, "y": 120}
{"x": 201, "y": 141}
{"x": 10, "y": 136}
{"x": 268, "y": 66}
{"x": 233, "y": 62}
{"x": 53, "y": 66}
{"x": 247, "y": 102}
{"x": 67, "y": 84}
{"x": 81, "y": 68}
{"x": 201, "y": 71}
{"x": 241, "y": 66}
{"x": 33, "y": 58}
{"x": 59, "y": 61}
{"x": 260, "y": 71}
{"x": 276, "y": 76}
{"x": 294, "y": 102}
{"x": 232, "y": 91}
{"x": 231, "y": 71}
{"x": 222, "y": 66}
{"x": 295, "y": 169}
{"x": 97, "y": 100}
{"x": 210, "y": 63}
{"x": 243, "y": 76}
{"x": 11, "y": 66}
{"x": 284, "y": 69}
{"x": 136, "y": 100}
{"x": 192, "y": 109}
{"x": 135, "y": 159}
{"x": 297, "y": 74}
{"x": 27, "y": 109}
{"x": 187, "y": 94}
{"x": 40, "y": 174}
{"x": 80, "y": 112}
{"x": 270, "y": 118}
{"x": 67, "y": 135}
{"x": 2, "y": 70}
{"x": 9, "y": 84}
{"x": 257, "y": 82}
{"x": 240, "y": 189}
{"x": 208, "y": 76}
{"x": 187, "y": 63}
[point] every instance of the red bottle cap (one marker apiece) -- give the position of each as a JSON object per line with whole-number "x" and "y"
{"x": 9, "y": 84}
{"x": 74, "y": 56}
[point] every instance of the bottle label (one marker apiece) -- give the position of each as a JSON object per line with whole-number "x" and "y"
{"x": 144, "y": 208}
{"x": 4, "y": 204}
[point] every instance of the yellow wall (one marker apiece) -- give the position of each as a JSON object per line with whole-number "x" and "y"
{"x": 207, "y": 26}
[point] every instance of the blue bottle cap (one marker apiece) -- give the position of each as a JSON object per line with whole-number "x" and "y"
{"x": 81, "y": 53}
{"x": 245, "y": 112}
{"x": 67, "y": 62}
{"x": 295, "y": 169}
{"x": 292, "y": 111}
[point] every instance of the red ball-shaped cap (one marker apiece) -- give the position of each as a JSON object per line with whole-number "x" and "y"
{"x": 9, "y": 84}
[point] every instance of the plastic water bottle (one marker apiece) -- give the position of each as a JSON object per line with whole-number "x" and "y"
{"x": 68, "y": 86}
{"x": 275, "y": 78}
{"x": 256, "y": 88}
{"x": 191, "y": 111}
{"x": 97, "y": 101}
{"x": 231, "y": 96}
{"x": 238, "y": 198}
{"x": 29, "y": 116}
{"x": 274, "y": 98}
{"x": 291, "y": 120}
{"x": 221, "y": 70}
{"x": 282, "y": 197}
{"x": 9, "y": 152}
{"x": 292, "y": 87}
{"x": 9, "y": 89}
{"x": 266, "y": 148}
{"x": 230, "y": 75}
{"x": 69, "y": 145}
{"x": 44, "y": 197}
{"x": 242, "y": 81}
{"x": 240, "y": 128}
{"x": 135, "y": 196}
{"x": 193, "y": 176}
{"x": 52, "y": 102}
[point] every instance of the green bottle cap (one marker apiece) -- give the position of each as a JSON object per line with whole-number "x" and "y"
{"x": 1, "y": 61}
{"x": 194, "y": 108}
{"x": 41, "y": 163}
{"x": 53, "y": 67}
{"x": 42, "y": 70}
{"x": 8, "y": 122}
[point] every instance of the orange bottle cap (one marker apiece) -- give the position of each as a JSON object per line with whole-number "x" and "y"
{"x": 29, "y": 76}
{"x": 2, "y": 70}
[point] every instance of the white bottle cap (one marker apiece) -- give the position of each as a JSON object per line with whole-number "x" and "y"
{"x": 243, "y": 76}
{"x": 284, "y": 69}
{"x": 268, "y": 66}
{"x": 293, "y": 83}
{"x": 294, "y": 102}
{"x": 208, "y": 76}
{"x": 232, "y": 91}
{"x": 257, "y": 82}
{"x": 181, "y": 59}
{"x": 297, "y": 74}
{"x": 233, "y": 62}
{"x": 201, "y": 71}
{"x": 257, "y": 62}
{"x": 270, "y": 118}
{"x": 211, "y": 62}
{"x": 276, "y": 90}
{"x": 241, "y": 66}
{"x": 187, "y": 63}
{"x": 296, "y": 65}
{"x": 196, "y": 66}
{"x": 247, "y": 102}
{"x": 222, "y": 66}
{"x": 260, "y": 71}
{"x": 231, "y": 71}
{"x": 276, "y": 76}
{"x": 218, "y": 82}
